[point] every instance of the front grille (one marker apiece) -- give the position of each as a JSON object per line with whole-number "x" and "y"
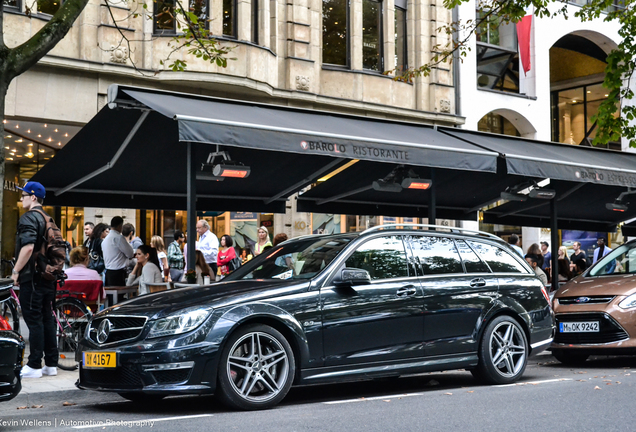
{"x": 121, "y": 328}
{"x": 172, "y": 376}
{"x": 126, "y": 377}
{"x": 610, "y": 330}
{"x": 585, "y": 300}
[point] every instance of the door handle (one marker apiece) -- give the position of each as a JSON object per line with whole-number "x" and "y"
{"x": 407, "y": 290}
{"x": 479, "y": 282}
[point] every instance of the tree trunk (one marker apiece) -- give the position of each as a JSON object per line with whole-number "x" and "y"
{"x": 3, "y": 92}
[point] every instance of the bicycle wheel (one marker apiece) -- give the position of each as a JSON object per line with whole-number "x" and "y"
{"x": 9, "y": 310}
{"x": 72, "y": 317}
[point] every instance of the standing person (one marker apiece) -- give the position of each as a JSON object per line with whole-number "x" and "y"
{"x": 176, "y": 261}
{"x": 601, "y": 250}
{"x": 146, "y": 270}
{"x": 533, "y": 260}
{"x": 513, "y": 240}
{"x": 279, "y": 238}
{"x": 208, "y": 244}
{"x": 95, "y": 253}
{"x": 78, "y": 269}
{"x": 37, "y": 295}
{"x": 547, "y": 255}
{"x": 226, "y": 254}
{"x": 262, "y": 242}
{"x": 563, "y": 254}
{"x": 88, "y": 230}
{"x": 157, "y": 243}
{"x": 534, "y": 249}
{"x": 128, "y": 231}
{"x": 117, "y": 252}
{"x": 201, "y": 267}
{"x": 578, "y": 262}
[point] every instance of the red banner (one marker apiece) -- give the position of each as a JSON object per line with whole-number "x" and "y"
{"x": 523, "y": 36}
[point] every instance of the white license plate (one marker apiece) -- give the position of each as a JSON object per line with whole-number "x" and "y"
{"x": 579, "y": 327}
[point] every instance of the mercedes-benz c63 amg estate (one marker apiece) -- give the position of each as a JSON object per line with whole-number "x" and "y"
{"x": 323, "y": 309}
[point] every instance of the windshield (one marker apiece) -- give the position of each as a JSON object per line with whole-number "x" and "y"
{"x": 301, "y": 259}
{"x": 621, "y": 260}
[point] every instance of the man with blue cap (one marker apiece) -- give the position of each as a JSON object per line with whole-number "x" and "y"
{"x": 37, "y": 295}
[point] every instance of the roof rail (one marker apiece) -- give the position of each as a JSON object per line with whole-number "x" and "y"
{"x": 441, "y": 227}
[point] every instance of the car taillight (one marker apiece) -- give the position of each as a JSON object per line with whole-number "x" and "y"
{"x": 4, "y": 324}
{"x": 545, "y": 294}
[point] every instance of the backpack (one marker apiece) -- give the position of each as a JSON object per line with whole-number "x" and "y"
{"x": 49, "y": 259}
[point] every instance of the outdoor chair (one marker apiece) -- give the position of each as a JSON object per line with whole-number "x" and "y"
{"x": 153, "y": 288}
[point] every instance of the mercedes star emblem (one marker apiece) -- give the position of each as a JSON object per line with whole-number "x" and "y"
{"x": 103, "y": 331}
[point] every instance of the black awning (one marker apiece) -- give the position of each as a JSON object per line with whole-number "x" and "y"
{"x": 132, "y": 153}
{"x": 526, "y": 157}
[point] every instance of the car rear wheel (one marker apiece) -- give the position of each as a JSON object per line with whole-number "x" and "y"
{"x": 503, "y": 352}
{"x": 569, "y": 357}
{"x": 256, "y": 368}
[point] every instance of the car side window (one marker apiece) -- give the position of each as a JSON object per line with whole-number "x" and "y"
{"x": 497, "y": 259}
{"x": 383, "y": 257}
{"x": 471, "y": 261}
{"x": 436, "y": 255}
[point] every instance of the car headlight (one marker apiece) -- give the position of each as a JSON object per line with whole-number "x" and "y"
{"x": 629, "y": 302}
{"x": 181, "y": 322}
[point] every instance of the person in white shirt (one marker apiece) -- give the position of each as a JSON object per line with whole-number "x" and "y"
{"x": 208, "y": 244}
{"x": 117, "y": 251}
{"x": 146, "y": 270}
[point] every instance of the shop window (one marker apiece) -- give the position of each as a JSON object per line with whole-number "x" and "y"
{"x": 229, "y": 18}
{"x": 163, "y": 20}
{"x": 372, "y": 35}
{"x": 497, "y": 55}
{"x": 335, "y": 32}
{"x": 495, "y": 123}
{"x": 13, "y": 4}
{"x": 401, "y": 63}
{"x": 255, "y": 21}
{"x": 49, "y": 7}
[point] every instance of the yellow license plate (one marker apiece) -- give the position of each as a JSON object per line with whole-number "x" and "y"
{"x": 101, "y": 359}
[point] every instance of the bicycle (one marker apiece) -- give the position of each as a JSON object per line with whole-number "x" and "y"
{"x": 71, "y": 316}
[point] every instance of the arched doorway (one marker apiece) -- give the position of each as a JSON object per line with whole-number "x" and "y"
{"x": 506, "y": 122}
{"x": 577, "y": 70}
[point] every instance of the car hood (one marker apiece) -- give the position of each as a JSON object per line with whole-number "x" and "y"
{"x": 217, "y": 295}
{"x": 600, "y": 285}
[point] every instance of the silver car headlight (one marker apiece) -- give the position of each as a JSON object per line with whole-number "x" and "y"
{"x": 629, "y": 302}
{"x": 182, "y": 321}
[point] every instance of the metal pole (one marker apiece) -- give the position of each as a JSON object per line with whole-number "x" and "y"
{"x": 192, "y": 207}
{"x": 432, "y": 210}
{"x": 142, "y": 225}
{"x": 554, "y": 240}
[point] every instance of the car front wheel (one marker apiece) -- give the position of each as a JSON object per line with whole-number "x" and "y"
{"x": 256, "y": 368}
{"x": 503, "y": 352}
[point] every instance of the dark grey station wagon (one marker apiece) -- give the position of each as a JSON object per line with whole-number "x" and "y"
{"x": 319, "y": 309}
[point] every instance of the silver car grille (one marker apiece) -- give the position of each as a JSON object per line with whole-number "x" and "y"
{"x": 112, "y": 329}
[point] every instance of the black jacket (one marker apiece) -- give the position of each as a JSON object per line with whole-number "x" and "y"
{"x": 30, "y": 231}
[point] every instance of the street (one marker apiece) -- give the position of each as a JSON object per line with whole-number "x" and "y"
{"x": 598, "y": 396}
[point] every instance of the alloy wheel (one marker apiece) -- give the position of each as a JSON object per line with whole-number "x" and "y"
{"x": 507, "y": 349}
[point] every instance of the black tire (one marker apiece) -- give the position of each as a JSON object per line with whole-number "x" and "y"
{"x": 503, "y": 352}
{"x": 256, "y": 368}
{"x": 72, "y": 317}
{"x": 570, "y": 357}
{"x": 9, "y": 310}
{"x": 141, "y": 398}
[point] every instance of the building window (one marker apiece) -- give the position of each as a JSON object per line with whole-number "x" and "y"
{"x": 255, "y": 21}
{"x": 49, "y": 7}
{"x": 572, "y": 112}
{"x": 164, "y": 17}
{"x": 14, "y": 4}
{"x": 401, "y": 63}
{"x": 495, "y": 123}
{"x": 372, "y": 35}
{"x": 335, "y": 34}
{"x": 229, "y": 18}
{"x": 497, "y": 55}
{"x": 200, "y": 9}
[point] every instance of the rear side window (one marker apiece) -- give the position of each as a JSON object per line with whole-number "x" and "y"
{"x": 472, "y": 263}
{"x": 497, "y": 259}
{"x": 436, "y": 255}
{"x": 382, "y": 257}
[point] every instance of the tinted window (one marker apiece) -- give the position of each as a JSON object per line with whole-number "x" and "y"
{"x": 471, "y": 261}
{"x": 621, "y": 260}
{"x": 436, "y": 255}
{"x": 382, "y": 257}
{"x": 498, "y": 259}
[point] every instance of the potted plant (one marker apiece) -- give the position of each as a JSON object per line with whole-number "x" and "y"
{"x": 191, "y": 276}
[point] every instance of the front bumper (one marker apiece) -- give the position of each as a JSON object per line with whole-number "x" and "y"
{"x": 155, "y": 369}
{"x": 11, "y": 357}
{"x": 617, "y": 327}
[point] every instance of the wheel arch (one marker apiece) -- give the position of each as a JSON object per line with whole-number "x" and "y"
{"x": 512, "y": 310}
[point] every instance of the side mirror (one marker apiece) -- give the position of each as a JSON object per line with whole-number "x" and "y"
{"x": 353, "y": 276}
